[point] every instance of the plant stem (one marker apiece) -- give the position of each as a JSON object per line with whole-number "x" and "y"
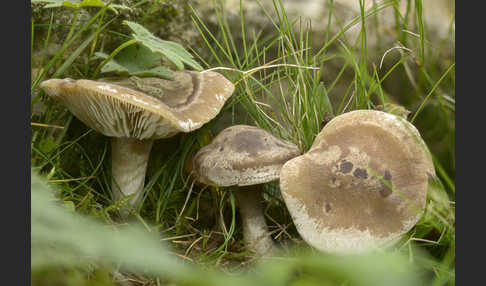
{"x": 98, "y": 29}
{"x": 255, "y": 229}
{"x": 129, "y": 158}
{"x": 73, "y": 24}
{"x": 113, "y": 54}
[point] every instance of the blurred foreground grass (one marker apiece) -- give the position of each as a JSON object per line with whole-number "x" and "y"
{"x": 63, "y": 239}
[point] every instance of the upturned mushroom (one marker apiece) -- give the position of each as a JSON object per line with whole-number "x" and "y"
{"x": 245, "y": 156}
{"x": 362, "y": 184}
{"x": 135, "y": 111}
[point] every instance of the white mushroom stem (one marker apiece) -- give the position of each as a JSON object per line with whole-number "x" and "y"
{"x": 255, "y": 229}
{"x": 129, "y": 158}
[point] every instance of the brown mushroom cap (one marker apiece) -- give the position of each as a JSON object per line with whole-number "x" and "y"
{"x": 362, "y": 184}
{"x": 146, "y": 108}
{"x": 242, "y": 155}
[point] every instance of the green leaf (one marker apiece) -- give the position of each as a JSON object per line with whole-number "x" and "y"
{"x": 91, "y": 3}
{"x": 112, "y": 65}
{"x": 172, "y": 51}
{"x": 99, "y": 3}
{"x": 135, "y": 60}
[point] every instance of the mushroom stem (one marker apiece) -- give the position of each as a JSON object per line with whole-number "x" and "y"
{"x": 129, "y": 158}
{"x": 255, "y": 229}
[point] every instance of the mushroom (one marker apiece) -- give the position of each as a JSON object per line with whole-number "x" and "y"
{"x": 362, "y": 184}
{"x": 135, "y": 111}
{"x": 245, "y": 156}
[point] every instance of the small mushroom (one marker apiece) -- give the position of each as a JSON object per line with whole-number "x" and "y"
{"x": 245, "y": 156}
{"x": 135, "y": 111}
{"x": 362, "y": 184}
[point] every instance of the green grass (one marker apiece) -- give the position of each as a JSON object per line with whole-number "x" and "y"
{"x": 189, "y": 234}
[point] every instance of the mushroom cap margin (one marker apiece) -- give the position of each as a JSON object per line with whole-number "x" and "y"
{"x": 242, "y": 155}
{"x": 119, "y": 111}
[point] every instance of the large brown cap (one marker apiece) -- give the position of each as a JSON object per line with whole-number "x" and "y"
{"x": 242, "y": 155}
{"x": 362, "y": 184}
{"x": 144, "y": 108}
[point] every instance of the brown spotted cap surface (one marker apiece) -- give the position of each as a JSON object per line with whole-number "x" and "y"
{"x": 363, "y": 183}
{"x": 242, "y": 155}
{"x": 144, "y": 108}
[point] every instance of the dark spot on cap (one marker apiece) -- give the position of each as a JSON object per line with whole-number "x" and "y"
{"x": 327, "y": 207}
{"x": 221, "y": 149}
{"x": 248, "y": 141}
{"x": 346, "y": 166}
{"x": 360, "y": 173}
{"x": 386, "y": 191}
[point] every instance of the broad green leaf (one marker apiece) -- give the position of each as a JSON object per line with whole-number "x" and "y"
{"x": 172, "y": 51}
{"x": 99, "y": 3}
{"x": 91, "y": 3}
{"x": 135, "y": 60}
{"x": 112, "y": 65}
{"x": 136, "y": 57}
